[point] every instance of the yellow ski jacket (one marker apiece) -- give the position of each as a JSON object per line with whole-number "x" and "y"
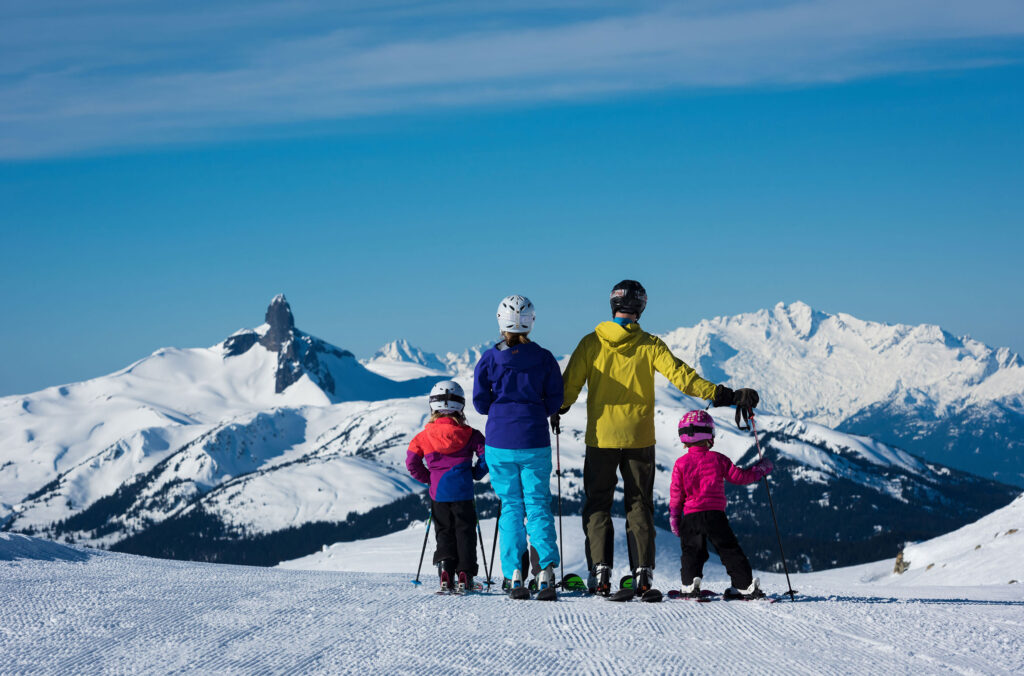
{"x": 617, "y": 364}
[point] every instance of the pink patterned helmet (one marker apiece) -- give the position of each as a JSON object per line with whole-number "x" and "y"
{"x": 695, "y": 427}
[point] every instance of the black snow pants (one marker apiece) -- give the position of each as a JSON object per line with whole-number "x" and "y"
{"x": 694, "y": 532}
{"x": 455, "y": 534}
{"x": 600, "y": 467}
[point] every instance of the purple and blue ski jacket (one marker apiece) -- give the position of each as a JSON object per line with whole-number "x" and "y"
{"x": 442, "y": 457}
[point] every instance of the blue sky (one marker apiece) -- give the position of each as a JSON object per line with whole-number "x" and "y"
{"x": 396, "y": 168}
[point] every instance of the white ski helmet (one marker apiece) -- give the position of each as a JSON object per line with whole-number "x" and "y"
{"x": 515, "y": 315}
{"x": 447, "y": 396}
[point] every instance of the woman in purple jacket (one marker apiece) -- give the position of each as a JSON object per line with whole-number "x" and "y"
{"x": 518, "y": 386}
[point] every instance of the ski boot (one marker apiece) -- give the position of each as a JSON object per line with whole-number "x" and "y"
{"x": 642, "y": 580}
{"x": 517, "y": 590}
{"x": 692, "y": 590}
{"x": 546, "y": 585}
{"x": 600, "y": 580}
{"x": 446, "y": 575}
{"x": 749, "y": 594}
{"x": 642, "y": 587}
{"x": 465, "y": 583}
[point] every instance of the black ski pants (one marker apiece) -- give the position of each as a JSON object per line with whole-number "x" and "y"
{"x": 599, "y": 480}
{"x": 694, "y": 532}
{"x": 455, "y": 534}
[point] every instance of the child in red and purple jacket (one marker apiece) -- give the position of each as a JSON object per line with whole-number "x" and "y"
{"x": 441, "y": 456}
{"x": 697, "y": 507}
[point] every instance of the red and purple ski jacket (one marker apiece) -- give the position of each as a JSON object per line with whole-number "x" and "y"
{"x": 447, "y": 449}
{"x": 698, "y": 481}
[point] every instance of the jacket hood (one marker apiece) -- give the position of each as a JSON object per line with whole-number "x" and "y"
{"x": 446, "y": 433}
{"x": 520, "y": 357}
{"x": 617, "y": 337}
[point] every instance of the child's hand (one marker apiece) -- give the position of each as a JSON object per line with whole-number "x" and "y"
{"x": 765, "y": 467}
{"x": 479, "y": 471}
{"x": 673, "y": 523}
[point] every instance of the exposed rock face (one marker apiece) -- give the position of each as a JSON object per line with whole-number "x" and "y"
{"x": 282, "y": 324}
{"x": 297, "y": 352}
{"x": 240, "y": 343}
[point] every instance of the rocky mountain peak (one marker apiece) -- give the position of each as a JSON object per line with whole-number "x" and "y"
{"x": 281, "y": 322}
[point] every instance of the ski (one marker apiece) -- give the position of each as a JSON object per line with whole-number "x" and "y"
{"x": 520, "y": 594}
{"x": 573, "y": 585}
{"x": 649, "y": 596}
{"x": 475, "y": 589}
{"x": 652, "y": 596}
{"x": 705, "y": 596}
{"x": 622, "y": 595}
{"x": 547, "y": 594}
{"x": 761, "y": 596}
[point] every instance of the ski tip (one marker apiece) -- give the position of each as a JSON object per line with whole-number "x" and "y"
{"x": 547, "y": 595}
{"x": 622, "y": 595}
{"x": 651, "y": 596}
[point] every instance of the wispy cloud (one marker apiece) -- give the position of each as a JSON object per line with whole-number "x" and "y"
{"x": 82, "y": 76}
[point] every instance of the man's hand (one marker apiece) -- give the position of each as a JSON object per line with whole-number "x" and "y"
{"x": 723, "y": 396}
{"x": 556, "y": 426}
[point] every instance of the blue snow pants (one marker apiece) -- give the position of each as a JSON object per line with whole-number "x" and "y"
{"x": 522, "y": 479}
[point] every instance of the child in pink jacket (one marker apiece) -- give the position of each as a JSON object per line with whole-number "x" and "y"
{"x": 697, "y": 507}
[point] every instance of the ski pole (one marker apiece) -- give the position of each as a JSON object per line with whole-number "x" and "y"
{"x": 771, "y": 505}
{"x": 424, "y": 549}
{"x": 494, "y": 544}
{"x": 561, "y": 540}
{"x": 480, "y": 535}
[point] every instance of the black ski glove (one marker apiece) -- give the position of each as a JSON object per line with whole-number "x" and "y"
{"x": 746, "y": 401}
{"x": 556, "y": 426}
{"x": 723, "y": 396}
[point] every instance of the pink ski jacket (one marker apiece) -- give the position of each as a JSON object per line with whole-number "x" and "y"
{"x": 698, "y": 481}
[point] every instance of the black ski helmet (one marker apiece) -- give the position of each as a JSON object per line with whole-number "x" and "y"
{"x": 629, "y": 296}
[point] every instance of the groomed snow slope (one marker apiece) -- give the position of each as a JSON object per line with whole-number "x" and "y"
{"x": 69, "y": 610}
{"x": 989, "y": 551}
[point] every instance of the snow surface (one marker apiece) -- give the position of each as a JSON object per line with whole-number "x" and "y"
{"x": 71, "y": 610}
{"x": 988, "y": 551}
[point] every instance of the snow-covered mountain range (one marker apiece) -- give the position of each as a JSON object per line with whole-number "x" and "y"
{"x": 401, "y": 361}
{"x": 950, "y": 399}
{"x": 273, "y": 442}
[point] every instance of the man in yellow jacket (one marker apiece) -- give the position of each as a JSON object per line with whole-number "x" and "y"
{"x": 617, "y": 363}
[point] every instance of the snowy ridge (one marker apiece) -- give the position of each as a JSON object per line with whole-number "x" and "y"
{"x": 988, "y": 551}
{"x": 953, "y": 400}
{"x": 65, "y": 447}
{"x": 400, "y": 360}
{"x": 402, "y": 351}
{"x": 826, "y": 367}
